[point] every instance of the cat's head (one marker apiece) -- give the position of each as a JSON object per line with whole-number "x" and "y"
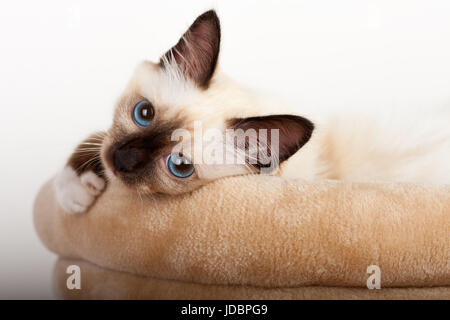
{"x": 181, "y": 123}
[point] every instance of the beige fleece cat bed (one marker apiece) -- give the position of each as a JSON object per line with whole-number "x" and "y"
{"x": 261, "y": 233}
{"x": 101, "y": 283}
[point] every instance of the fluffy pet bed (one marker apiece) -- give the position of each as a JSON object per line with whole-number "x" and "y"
{"x": 101, "y": 283}
{"x": 264, "y": 231}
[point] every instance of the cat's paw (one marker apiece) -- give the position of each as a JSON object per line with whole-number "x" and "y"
{"x": 75, "y": 194}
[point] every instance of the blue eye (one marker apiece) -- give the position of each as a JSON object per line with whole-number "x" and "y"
{"x": 179, "y": 166}
{"x": 143, "y": 113}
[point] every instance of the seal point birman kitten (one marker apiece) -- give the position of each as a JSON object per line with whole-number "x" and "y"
{"x": 186, "y": 90}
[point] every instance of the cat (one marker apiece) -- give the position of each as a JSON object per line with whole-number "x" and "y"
{"x": 186, "y": 89}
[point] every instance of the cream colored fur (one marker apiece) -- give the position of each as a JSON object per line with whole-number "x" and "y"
{"x": 400, "y": 146}
{"x": 379, "y": 145}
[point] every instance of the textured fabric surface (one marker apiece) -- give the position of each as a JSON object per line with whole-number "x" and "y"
{"x": 263, "y": 231}
{"x": 101, "y": 283}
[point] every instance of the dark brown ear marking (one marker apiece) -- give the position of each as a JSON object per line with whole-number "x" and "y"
{"x": 294, "y": 132}
{"x": 86, "y": 156}
{"x": 197, "y": 51}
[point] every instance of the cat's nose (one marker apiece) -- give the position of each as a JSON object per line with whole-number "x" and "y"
{"x": 128, "y": 159}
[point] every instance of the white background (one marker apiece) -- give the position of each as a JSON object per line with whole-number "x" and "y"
{"x": 63, "y": 64}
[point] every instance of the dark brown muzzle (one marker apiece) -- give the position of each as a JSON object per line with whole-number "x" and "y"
{"x": 129, "y": 158}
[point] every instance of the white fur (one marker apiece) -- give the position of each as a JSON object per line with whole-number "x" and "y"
{"x": 74, "y": 193}
{"x": 401, "y": 145}
{"x": 381, "y": 145}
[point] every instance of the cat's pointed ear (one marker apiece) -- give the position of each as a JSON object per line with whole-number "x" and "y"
{"x": 196, "y": 53}
{"x": 291, "y": 133}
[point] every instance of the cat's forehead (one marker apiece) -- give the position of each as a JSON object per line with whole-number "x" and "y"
{"x": 174, "y": 97}
{"x": 163, "y": 87}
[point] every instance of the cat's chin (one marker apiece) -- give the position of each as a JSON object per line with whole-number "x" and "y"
{"x": 147, "y": 190}
{"x": 142, "y": 189}
{"x": 110, "y": 175}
